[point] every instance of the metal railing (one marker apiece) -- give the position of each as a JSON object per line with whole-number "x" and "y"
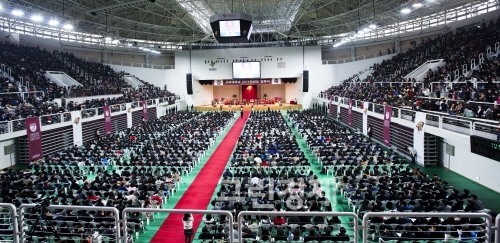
{"x": 404, "y": 232}
{"x": 486, "y": 130}
{"x": 9, "y": 222}
{"x": 356, "y": 58}
{"x": 126, "y": 222}
{"x": 458, "y": 124}
{"x": 351, "y": 218}
{"x": 65, "y": 222}
{"x": 497, "y": 229}
{"x": 56, "y": 118}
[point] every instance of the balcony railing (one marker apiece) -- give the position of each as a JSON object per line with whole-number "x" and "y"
{"x": 57, "y": 118}
{"x": 445, "y": 121}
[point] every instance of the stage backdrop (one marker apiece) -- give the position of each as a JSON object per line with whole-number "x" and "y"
{"x": 249, "y": 92}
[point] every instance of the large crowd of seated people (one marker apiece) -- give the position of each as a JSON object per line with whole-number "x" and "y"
{"x": 269, "y": 172}
{"x": 138, "y": 167}
{"x": 376, "y": 181}
{"x": 456, "y": 48}
{"x": 35, "y": 95}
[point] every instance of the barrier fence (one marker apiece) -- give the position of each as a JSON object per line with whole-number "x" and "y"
{"x": 55, "y": 223}
{"x": 454, "y": 123}
{"x": 409, "y": 226}
{"x": 130, "y": 225}
{"x": 497, "y": 229}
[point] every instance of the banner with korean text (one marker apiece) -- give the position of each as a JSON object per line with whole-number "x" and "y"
{"x": 144, "y": 110}
{"x": 34, "y": 137}
{"x": 387, "y": 124}
{"x": 108, "y": 127}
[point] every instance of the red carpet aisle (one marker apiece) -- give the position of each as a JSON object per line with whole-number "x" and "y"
{"x": 199, "y": 193}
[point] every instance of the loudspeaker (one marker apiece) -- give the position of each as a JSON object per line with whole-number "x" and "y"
{"x": 189, "y": 83}
{"x": 305, "y": 81}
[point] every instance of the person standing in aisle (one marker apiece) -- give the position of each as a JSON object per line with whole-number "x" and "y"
{"x": 241, "y": 112}
{"x": 187, "y": 223}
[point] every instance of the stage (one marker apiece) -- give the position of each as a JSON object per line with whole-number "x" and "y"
{"x": 260, "y": 107}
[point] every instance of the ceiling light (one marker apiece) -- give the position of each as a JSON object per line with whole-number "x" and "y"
{"x": 115, "y": 41}
{"x": 147, "y": 49}
{"x": 366, "y": 30}
{"x": 108, "y": 38}
{"x": 417, "y": 5}
{"x": 1, "y": 6}
{"x": 17, "y": 12}
{"x": 141, "y": 48}
{"x": 37, "y": 18}
{"x": 68, "y": 26}
{"x": 405, "y": 11}
{"x": 129, "y": 44}
{"x": 372, "y": 26}
{"x": 53, "y": 22}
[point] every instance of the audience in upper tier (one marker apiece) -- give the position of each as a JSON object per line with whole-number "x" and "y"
{"x": 27, "y": 66}
{"x": 456, "y": 48}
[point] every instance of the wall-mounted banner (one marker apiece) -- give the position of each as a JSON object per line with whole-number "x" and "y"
{"x": 108, "y": 127}
{"x": 219, "y": 82}
{"x": 387, "y": 125}
{"x": 34, "y": 136}
{"x": 144, "y": 110}
{"x": 349, "y": 112}
{"x": 330, "y": 107}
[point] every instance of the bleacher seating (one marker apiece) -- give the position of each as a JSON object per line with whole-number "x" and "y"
{"x": 387, "y": 84}
{"x": 29, "y": 65}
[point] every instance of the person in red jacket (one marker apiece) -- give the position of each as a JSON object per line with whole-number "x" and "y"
{"x": 156, "y": 198}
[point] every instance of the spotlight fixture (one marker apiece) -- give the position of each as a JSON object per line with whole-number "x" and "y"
{"x": 107, "y": 38}
{"x": 405, "y": 10}
{"x": 417, "y": 5}
{"x": 36, "y": 18}
{"x": 68, "y": 26}
{"x": 53, "y": 22}
{"x": 17, "y": 12}
{"x": 372, "y": 26}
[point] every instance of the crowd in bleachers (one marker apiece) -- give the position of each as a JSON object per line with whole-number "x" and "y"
{"x": 373, "y": 180}
{"x": 35, "y": 95}
{"x": 269, "y": 172}
{"x": 139, "y": 167}
{"x": 387, "y": 84}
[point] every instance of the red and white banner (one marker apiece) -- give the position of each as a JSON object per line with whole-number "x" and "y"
{"x": 144, "y": 110}
{"x": 387, "y": 124}
{"x": 108, "y": 127}
{"x": 34, "y": 137}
